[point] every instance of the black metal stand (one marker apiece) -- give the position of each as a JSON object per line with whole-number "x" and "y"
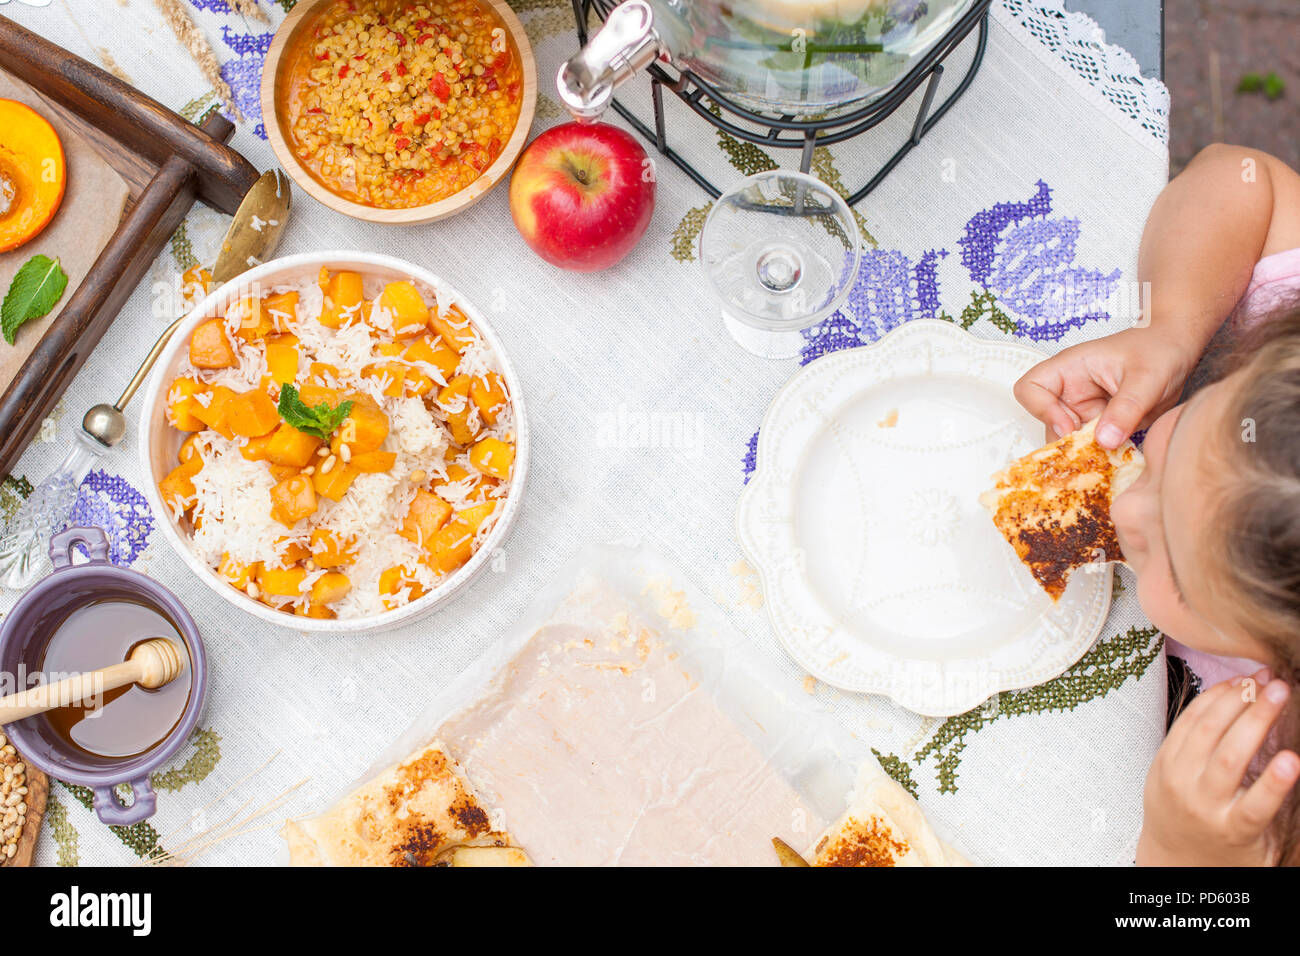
{"x": 785, "y": 131}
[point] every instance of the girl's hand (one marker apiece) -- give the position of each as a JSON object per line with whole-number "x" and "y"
{"x": 1195, "y": 809}
{"x": 1130, "y": 379}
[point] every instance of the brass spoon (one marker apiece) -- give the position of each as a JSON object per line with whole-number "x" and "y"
{"x": 253, "y": 235}
{"x": 152, "y": 663}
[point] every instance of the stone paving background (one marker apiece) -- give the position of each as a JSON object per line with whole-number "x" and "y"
{"x": 1209, "y": 46}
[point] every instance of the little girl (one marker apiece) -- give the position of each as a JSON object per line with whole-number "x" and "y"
{"x": 1212, "y": 527}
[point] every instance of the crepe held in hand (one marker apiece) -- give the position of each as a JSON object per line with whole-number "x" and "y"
{"x": 421, "y": 812}
{"x": 1053, "y": 505}
{"x": 883, "y": 826}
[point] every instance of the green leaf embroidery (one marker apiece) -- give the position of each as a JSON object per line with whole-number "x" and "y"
{"x": 1104, "y": 668}
{"x": 318, "y": 422}
{"x": 36, "y": 288}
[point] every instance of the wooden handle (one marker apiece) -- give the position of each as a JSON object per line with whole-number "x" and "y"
{"x": 151, "y": 665}
{"x": 222, "y": 175}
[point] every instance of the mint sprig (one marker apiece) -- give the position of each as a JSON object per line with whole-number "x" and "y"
{"x": 36, "y": 289}
{"x": 319, "y": 421}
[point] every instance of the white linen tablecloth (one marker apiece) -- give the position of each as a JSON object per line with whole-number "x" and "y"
{"x": 1044, "y": 171}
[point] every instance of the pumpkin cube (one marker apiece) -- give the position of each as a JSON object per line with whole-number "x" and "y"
{"x": 489, "y": 394}
{"x": 209, "y": 346}
{"x": 270, "y": 387}
{"x": 364, "y": 428}
{"x": 252, "y": 414}
{"x": 373, "y": 462}
{"x": 493, "y": 457}
{"x": 396, "y": 580}
{"x": 282, "y": 358}
{"x": 330, "y": 587}
{"x": 454, "y": 401}
{"x": 281, "y": 308}
{"x": 214, "y": 413}
{"x": 292, "y": 500}
{"x": 451, "y": 546}
{"x": 402, "y": 301}
{"x": 474, "y": 516}
{"x": 196, "y": 281}
{"x": 281, "y": 582}
{"x": 250, "y": 320}
{"x": 394, "y": 375}
{"x": 255, "y": 448}
{"x": 237, "y": 573}
{"x": 181, "y": 403}
{"x": 455, "y": 328}
{"x": 334, "y": 484}
{"x": 188, "y": 450}
{"x": 290, "y": 447}
{"x": 178, "y": 486}
{"x": 281, "y": 472}
{"x": 328, "y": 551}
{"x": 419, "y": 384}
{"x": 426, "y": 514}
{"x": 442, "y": 357}
{"x": 322, "y": 372}
{"x": 343, "y": 298}
{"x": 291, "y": 550}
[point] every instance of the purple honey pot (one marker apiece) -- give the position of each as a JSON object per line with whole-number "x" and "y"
{"x": 21, "y": 645}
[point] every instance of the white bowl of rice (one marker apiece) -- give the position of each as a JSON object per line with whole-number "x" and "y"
{"x": 374, "y": 490}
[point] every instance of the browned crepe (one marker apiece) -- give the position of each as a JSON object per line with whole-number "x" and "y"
{"x": 87, "y": 218}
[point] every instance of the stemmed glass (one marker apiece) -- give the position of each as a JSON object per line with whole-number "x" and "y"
{"x": 780, "y": 249}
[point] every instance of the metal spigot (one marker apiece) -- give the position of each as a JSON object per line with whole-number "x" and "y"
{"x": 626, "y": 43}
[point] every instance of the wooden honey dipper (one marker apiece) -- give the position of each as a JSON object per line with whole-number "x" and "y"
{"x": 151, "y": 664}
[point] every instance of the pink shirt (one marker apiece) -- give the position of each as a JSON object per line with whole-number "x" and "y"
{"x": 1276, "y": 278}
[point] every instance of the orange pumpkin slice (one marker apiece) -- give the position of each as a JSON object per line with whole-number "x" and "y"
{"x": 33, "y": 173}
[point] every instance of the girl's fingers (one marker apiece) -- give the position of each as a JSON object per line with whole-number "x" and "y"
{"x": 1231, "y": 758}
{"x": 1042, "y": 401}
{"x": 1138, "y": 394}
{"x": 1255, "y": 809}
{"x": 1207, "y": 719}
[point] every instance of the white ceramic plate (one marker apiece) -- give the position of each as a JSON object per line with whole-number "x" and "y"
{"x": 881, "y": 572}
{"x": 161, "y": 442}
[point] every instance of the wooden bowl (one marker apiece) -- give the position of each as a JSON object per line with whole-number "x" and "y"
{"x": 273, "y": 120}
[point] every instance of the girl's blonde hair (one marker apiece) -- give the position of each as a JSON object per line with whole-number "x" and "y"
{"x": 1260, "y": 520}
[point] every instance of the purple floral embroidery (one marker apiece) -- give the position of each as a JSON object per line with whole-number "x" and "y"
{"x": 1026, "y": 260}
{"x": 245, "y": 73}
{"x": 888, "y": 291}
{"x": 1020, "y": 257}
{"x": 750, "y": 461}
{"x": 109, "y": 502}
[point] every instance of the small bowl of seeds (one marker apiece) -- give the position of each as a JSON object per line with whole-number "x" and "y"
{"x": 22, "y": 804}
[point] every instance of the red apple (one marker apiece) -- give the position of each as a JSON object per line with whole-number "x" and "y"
{"x": 582, "y": 194}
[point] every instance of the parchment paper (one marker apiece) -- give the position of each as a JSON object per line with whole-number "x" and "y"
{"x": 623, "y": 721}
{"x": 92, "y": 205}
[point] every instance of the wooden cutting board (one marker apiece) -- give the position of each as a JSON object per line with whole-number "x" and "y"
{"x": 166, "y": 162}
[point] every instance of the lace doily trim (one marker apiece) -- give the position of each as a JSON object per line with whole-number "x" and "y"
{"x": 1108, "y": 70}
